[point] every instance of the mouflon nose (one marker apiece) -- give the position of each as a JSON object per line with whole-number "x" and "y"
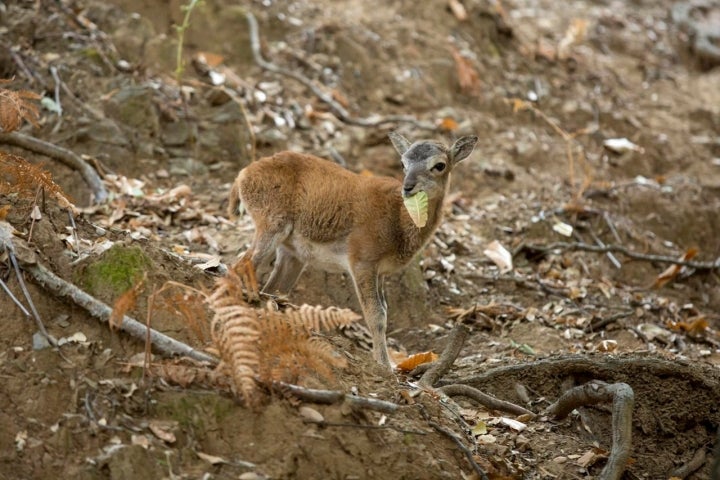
{"x": 407, "y": 188}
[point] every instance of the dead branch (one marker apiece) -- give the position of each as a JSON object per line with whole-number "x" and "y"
{"x": 333, "y": 396}
{"x": 697, "y": 461}
{"x": 456, "y": 339}
{"x": 68, "y": 157}
{"x": 623, "y": 399}
{"x": 573, "y": 246}
{"x": 338, "y": 110}
{"x": 466, "y": 451}
{"x": 483, "y": 399}
{"x": 28, "y": 262}
{"x": 26, "y": 293}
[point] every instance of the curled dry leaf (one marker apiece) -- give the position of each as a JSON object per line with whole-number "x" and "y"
{"x": 574, "y": 34}
{"x": 417, "y": 207}
{"x": 500, "y": 256}
{"x": 673, "y": 270}
{"x": 410, "y": 363}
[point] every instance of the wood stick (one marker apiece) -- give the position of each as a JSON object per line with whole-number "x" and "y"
{"x": 333, "y": 396}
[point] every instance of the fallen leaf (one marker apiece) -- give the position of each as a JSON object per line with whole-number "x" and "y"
{"x": 673, "y": 270}
{"x": 162, "y": 431}
{"x": 311, "y": 415}
{"x": 499, "y": 255}
{"x": 563, "y": 229}
{"x": 480, "y": 428}
{"x": 417, "y": 206}
{"x": 211, "y": 459}
{"x": 468, "y": 77}
{"x": 621, "y": 145}
{"x": 458, "y": 9}
{"x": 575, "y": 33}
{"x": 513, "y": 424}
{"x": 410, "y": 363}
{"x": 448, "y": 124}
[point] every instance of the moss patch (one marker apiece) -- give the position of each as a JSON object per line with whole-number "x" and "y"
{"x": 118, "y": 269}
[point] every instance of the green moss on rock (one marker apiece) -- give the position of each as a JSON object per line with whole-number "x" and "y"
{"x": 117, "y": 270}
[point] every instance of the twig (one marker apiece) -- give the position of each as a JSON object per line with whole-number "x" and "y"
{"x": 690, "y": 467}
{"x": 14, "y": 298}
{"x": 333, "y": 396}
{"x": 484, "y": 399}
{"x": 26, "y": 293}
{"x": 68, "y": 157}
{"x": 603, "y": 322}
{"x": 56, "y": 78}
{"x": 616, "y": 263}
{"x": 468, "y": 454}
{"x": 620, "y": 249}
{"x": 623, "y": 399}
{"x": 456, "y": 339}
{"x": 338, "y": 110}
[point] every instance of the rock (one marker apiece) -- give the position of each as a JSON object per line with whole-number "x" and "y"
{"x": 187, "y": 167}
{"x": 175, "y": 134}
{"x": 133, "y": 107}
{"x": 131, "y": 37}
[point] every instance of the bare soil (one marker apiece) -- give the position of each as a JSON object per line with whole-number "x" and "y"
{"x": 563, "y": 316}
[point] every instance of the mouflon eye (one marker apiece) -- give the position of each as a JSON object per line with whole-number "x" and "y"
{"x": 438, "y": 167}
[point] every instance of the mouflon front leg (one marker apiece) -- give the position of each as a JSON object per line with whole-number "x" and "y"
{"x": 366, "y": 281}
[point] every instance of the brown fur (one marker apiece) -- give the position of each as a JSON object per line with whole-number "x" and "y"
{"x": 308, "y": 210}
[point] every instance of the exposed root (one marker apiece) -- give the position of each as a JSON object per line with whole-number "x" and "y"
{"x": 623, "y": 400}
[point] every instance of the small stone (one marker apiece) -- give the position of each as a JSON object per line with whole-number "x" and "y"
{"x": 39, "y": 341}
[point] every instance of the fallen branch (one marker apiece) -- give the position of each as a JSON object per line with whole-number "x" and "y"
{"x": 484, "y": 399}
{"x": 338, "y": 110}
{"x": 623, "y": 399}
{"x": 68, "y": 157}
{"x": 333, "y": 396}
{"x": 456, "y": 339}
{"x": 619, "y": 249}
{"x": 28, "y": 262}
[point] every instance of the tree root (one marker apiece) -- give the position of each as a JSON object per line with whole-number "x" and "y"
{"x": 697, "y": 461}
{"x": 68, "y": 157}
{"x": 333, "y": 396}
{"x": 456, "y": 339}
{"x": 623, "y": 399}
{"x": 484, "y": 399}
{"x": 602, "y": 367}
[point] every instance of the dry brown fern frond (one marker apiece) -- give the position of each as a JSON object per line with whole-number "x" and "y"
{"x": 16, "y": 106}
{"x": 22, "y": 178}
{"x": 319, "y": 318}
{"x": 288, "y": 351}
{"x": 239, "y": 285}
{"x": 188, "y": 304}
{"x": 236, "y": 331}
{"x": 125, "y": 303}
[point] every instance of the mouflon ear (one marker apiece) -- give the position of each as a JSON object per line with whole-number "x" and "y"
{"x": 462, "y": 148}
{"x": 400, "y": 143}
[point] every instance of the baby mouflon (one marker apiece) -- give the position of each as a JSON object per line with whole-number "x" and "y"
{"x": 307, "y": 210}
